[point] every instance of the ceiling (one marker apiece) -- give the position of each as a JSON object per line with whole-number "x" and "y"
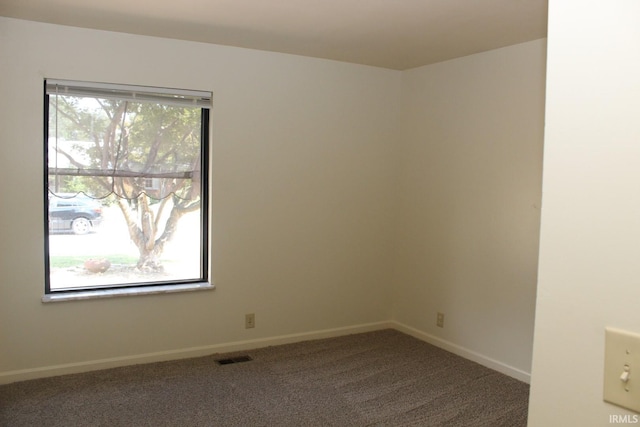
{"x": 395, "y": 34}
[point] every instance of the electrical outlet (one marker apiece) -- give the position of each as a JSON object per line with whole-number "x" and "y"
{"x": 249, "y": 321}
{"x": 440, "y": 320}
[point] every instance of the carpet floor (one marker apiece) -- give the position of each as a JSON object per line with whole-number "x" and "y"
{"x": 382, "y": 378}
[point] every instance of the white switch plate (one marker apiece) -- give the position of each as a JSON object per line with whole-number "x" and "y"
{"x": 622, "y": 348}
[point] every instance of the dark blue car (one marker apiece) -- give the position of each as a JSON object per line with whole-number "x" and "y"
{"x": 76, "y": 213}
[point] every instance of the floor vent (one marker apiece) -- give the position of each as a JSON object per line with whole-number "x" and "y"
{"x": 231, "y": 360}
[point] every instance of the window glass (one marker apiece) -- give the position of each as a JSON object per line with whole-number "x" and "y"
{"x": 126, "y": 195}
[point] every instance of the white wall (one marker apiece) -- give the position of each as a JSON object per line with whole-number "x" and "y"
{"x": 337, "y": 189}
{"x": 470, "y": 196}
{"x": 303, "y": 163}
{"x": 590, "y": 229}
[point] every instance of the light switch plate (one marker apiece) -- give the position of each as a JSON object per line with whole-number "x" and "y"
{"x": 622, "y": 353}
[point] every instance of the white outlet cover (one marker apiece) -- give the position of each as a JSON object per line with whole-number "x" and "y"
{"x": 622, "y": 348}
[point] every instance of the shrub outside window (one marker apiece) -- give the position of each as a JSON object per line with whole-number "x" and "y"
{"x": 126, "y": 173}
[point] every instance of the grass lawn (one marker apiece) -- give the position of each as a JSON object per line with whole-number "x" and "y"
{"x": 62, "y": 261}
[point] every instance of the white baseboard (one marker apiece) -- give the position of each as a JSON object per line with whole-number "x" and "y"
{"x": 114, "y": 362}
{"x": 92, "y": 365}
{"x": 464, "y": 352}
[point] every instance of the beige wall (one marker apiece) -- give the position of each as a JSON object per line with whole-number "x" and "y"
{"x": 590, "y": 228}
{"x": 303, "y": 161}
{"x": 470, "y": 197}
{"x": 337, "y": 189}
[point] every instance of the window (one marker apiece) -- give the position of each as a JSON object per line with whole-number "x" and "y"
{"x": 126, "y": 173}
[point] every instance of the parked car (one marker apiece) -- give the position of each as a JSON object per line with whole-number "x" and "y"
{"x": 76, "y": 213}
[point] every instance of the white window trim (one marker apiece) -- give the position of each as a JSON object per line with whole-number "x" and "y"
{"x": 128, "y": 291}
{"x": 179, "y": 97}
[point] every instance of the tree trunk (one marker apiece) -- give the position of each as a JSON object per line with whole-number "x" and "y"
{"x": 149, "y": 260}
{"x": 143, "y": 232}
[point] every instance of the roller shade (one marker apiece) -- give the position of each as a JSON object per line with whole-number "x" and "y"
{"x": 179, "y": 97}
{"x": 105, "y": 139}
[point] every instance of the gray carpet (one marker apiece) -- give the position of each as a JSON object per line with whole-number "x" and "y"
{"x": 382, "y": 378}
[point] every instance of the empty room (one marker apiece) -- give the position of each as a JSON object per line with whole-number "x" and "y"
{"x": 319, "y": 213}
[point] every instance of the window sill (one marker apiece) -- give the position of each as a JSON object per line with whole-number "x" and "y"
{"x": 133, "y": 291}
